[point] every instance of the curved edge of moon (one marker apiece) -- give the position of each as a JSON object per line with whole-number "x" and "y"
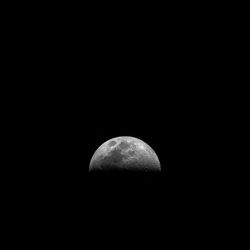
{"x": 104, "y": 148}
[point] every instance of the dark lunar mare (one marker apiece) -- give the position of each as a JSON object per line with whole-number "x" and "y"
{"x": 114, "y": 158}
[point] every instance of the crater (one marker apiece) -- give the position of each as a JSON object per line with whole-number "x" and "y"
{"x": 112, "y": 143}
{"x": 124, "y": 145}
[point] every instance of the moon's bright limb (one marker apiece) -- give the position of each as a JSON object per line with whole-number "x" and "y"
{"x": 125, "y": 153}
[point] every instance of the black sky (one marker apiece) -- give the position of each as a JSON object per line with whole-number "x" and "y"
{"x": 84, "y": 78}
{"x": 102, "y": 89}
{"x": 151, "y": 96}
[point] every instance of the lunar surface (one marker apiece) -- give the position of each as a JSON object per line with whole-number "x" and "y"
{"x": 125, "y": 153}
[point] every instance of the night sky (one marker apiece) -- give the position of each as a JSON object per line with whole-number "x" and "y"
{"x": 83, "y": 83}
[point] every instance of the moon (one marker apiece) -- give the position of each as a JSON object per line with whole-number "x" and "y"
{"x": 125, "y": 153}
